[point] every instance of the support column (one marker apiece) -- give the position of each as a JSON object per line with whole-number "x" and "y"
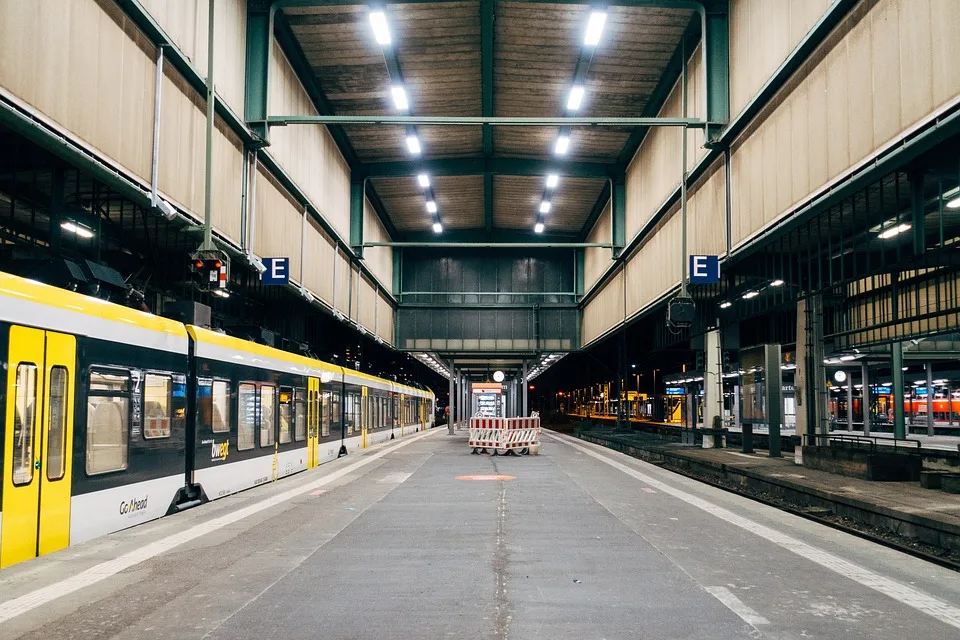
{"x": 618, "y": 212}
{"x": 259, "y": 44}
{"x": 774, "y": 397}
{"x": 850, "y": 401}
{"x": 896, "y": 365}
{"x": 524, "y": 411}
{"x": 712, "y": 388}
{"x": 865, "y": 396}
{"x": 929, "y": 367}
{"x": 451, "y": 403}
{"x": 356, "y": 217}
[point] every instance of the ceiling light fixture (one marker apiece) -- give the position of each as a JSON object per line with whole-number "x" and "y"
{"x": 83, "y": 232}
{"x": 563, "y": 144}
{"x": 399, "y": 98}
{"x": 431, "y": 206}
{"x": 545, "y": 206}
{"x": 221, "y": 293}
{"x": 552, "y": 181}
{"x": 594, "y": 28}
{"x": 750, "y": 294}
{"x": 726, "y": 304}
{"x": 413, "y": 144}
{"x": 437, "y": 227}
{"x": 424, "y": 180}
{"x": 576, "y": 97}
{"x": 538, "y": 228}
{"x": 891, "y": 232}
{"x": 776, "y": 283}
{"x": 380, "y": 29}
{"x": 954, "y": 204}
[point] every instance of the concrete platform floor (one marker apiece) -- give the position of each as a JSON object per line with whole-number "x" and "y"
{"x": 579, "y": 542}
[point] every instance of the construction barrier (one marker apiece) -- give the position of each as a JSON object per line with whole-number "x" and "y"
{"x": 505, "y": 436}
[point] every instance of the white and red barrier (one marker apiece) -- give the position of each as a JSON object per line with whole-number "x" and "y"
{"x": 505, "y": 435}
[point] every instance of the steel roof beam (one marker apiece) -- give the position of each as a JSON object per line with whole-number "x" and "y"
{"x": 494, "y": 121}
{"x": 486, "y": 94}
{"x": 497, "y": 166}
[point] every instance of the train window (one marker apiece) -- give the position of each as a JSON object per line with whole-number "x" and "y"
{"x": 246, "y": 416}
{"x": 326, "y": 409}
{"x": 221, "y": 407}
{"x": 286, "y": 414}
{"x": 156, "y": 406}
{"x": 268, "y": 415}
{"x": 336, "y": 414}
{"x": 108, "y": 412}
{"x": 24, "y": 422}
{"x": 57, "y": 423}
{"x": 300, "y": 415}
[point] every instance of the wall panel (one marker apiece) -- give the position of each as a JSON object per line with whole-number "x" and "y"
{"x": 87, "y": 70}
{"x": 762, "y": 35}
{"x": 604, "y": 311}
{"x": 318, "y": 256}
{"x": 367, "y": 311}
{"x": 596, "y": 261}
{"x": 185, "y": 23}
{"x": 307, "y": 152}
{"x": 858, "y": 97}
{"x": 342, "y": 283}
{"x": 378, "y": 259}
{"x": 385, "y": 319}
{"x": 278, "y": 224}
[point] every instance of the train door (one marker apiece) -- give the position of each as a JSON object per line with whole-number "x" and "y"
{"x": 37, "y": 445}
{"x": 364, "y": 417}
{"x": 313, "y": 422}
{"x": 403, "y": 413}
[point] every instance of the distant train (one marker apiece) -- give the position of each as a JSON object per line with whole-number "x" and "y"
{"x": 111, "y": 416}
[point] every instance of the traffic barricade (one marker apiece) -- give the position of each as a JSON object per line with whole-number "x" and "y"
{"x": 505, "y": 436}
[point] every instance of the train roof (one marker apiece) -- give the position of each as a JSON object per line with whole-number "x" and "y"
{"x": 31, "y": 303}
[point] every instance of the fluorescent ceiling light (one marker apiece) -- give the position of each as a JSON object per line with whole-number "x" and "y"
{"x": 594, "y": 28}
{"x": 431, "y": 206}
{"x": 437, "y": 227}
{"x": 954, "y": 204}
{"x": 545, "y": 206}
{"x": 413, "y": 144}
{"x": 776, "y": 283}
{"x": 847, "y": 358}
{"x": 726, "y": 304}
{"x": 552, "y": 181}
{"x": 221, "y": 293}
{"x": 424, "y": 180}
{"x": 750, "y": 294}
{"x": 894, "y": 231}
{"x": 399, "y": 98}
{"x": 576, "y": 97}
{"x": 380, "y": 29}
{"x": 538, "y": 228}
{"x": 83, "y": 232}
{"x": 563, "y": 143}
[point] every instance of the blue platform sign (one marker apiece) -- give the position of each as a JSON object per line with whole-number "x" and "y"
{"x": 278, "y": 271}
{"x": 704, "y": 269}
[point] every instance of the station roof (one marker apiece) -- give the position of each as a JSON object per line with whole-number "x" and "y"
{"x": 490, "y": 58}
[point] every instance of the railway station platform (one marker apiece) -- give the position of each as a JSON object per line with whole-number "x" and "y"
{"x": 421, "y": 539}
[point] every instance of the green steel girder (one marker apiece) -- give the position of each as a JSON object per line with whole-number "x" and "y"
{"x": 717, "y": 39}
{"x": 480, "y": 165}
{"x": 496, "y": 121}
{"x": 486, "y": 70}
{"x": 259, "y": 41}
{"x": 482, "y": 244}
{"x": 619, "y": 215}
{"x": 397, "y": 273}
{"x": 580, "y": 277}
{"x": 356, "y": 216}
{"x": 480, "y": 236}
{"x": 488, "y": 202}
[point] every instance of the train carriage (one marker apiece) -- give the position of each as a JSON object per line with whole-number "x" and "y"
{"x": 110, "y": 416}
{"x": 94, "y": 417}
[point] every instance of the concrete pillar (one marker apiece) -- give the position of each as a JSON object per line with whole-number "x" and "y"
{"x": 850, "y": 401}
{"x": 524, "y": 409}
{"x": 865, "y": 399}
{"x": 712, "y": 386}
{"x": 896, "y": 366}
{"x": 450, "y": 417}
{"x": 929, "y": 367}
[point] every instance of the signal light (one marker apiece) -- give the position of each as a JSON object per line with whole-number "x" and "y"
{"x": 198, "y": 264}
